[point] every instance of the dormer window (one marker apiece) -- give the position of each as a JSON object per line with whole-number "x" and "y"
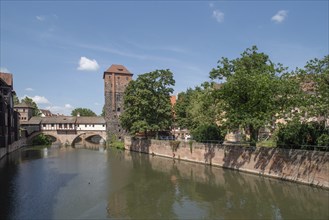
{"x": 120, "y": 69}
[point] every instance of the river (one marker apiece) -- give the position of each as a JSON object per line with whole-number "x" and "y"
{"x": 67, "y": 183}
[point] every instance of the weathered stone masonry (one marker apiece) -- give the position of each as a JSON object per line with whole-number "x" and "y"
{"x": 116, "y": 79}
{"x": 308, "y": 167}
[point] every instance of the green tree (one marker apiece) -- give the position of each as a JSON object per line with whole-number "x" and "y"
{"x": 299, "y": 134}
{"x": 181, "y": 108}
{"x": 207, "y": 132}
{"x": 41, "y": 139}
{"x": 147, "y": 102}
{"x": 83, "y": 112}
{"x": 203, "y": 108}
{"x": 103, "y": 111}
{"x": 253, "y": 92}
{"x": 31, "y": 103}
{"x": 314, "y": 80}
{"x": 16, "y": 100}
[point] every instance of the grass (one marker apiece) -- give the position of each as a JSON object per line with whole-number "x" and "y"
{"x": 267, "y": 143}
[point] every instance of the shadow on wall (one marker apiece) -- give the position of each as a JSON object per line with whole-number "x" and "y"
{"x": 140, "y": 145}
{"x": 236, "y": 156}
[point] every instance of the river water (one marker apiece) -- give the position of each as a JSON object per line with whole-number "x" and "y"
{"x": 67, "y": 183}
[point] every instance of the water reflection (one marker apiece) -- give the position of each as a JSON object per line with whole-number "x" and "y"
{"x": 57, "y": 183}
{"x": 163, "y": 188}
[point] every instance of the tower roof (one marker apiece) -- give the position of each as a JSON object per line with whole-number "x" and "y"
{"x": 117, "y": 68}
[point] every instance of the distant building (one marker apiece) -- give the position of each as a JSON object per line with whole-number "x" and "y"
{"x": 46, "y": 113}
{"x": 173, "y": 100}
{"x": 9, "y": 123}
{"x": 64, "y": 124}
{"x": 116, "y": 79}
{"x": 91, "y": 123}
{"x": 25, "y": 110}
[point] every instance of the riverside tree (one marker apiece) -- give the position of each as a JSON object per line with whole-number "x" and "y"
{"x": 315, "y": 82}
{"x": 253, "y": 92}
{"x": 83, "y": 112}
{"x": 147, "y": 104}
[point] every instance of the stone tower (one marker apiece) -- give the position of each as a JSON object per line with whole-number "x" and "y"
{"x": 116, "y": 79}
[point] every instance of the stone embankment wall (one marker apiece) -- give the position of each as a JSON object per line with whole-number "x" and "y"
{"x": 12, "y": 147}
{"x": 308, "y": 167}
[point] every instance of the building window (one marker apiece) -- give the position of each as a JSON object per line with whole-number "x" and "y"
{"x": 70, "y": 125}
{"x": 52, "y": 125}
{"x": 44, "y": 125}
{"x": 85, "y": 125}
{"x": 93, "y": 126}
{"x": 127, "y": 78}
{"x": 118, "y": 97}
{"x": 103, "y": 125}
{"x": 60, "y": 125}
{"x": 118, "y": 109}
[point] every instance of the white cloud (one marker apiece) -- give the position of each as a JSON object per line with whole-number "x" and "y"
{"x": 280, "y": 16}
{"x": 4, "y": 70}
{"x": 218, "y": 15}
{"x": 63, "y": 110}
{"x": 86, "y": 64}
{"x": 29, "y": 89}
{"x": 37, "y": 99}
{"x": 211, "y": 5}
{"x": 40, "y": 17}
{"x": 40, "y": 99}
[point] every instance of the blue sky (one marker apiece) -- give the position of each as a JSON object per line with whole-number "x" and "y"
{"x": 58, "y": 50}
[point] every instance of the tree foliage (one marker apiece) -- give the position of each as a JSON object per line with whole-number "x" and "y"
{"x": 147, "y": 104}
{"x": 181, "y": 108}
{"x": 103, "y": 111}
{"x": 31, "y": 103}
{"x": 207, "y": 132}
{"x": 41, "y": 139}
{"x": 297, "y": 134}
{"x": 83, "y": 112}
{"x": 253, "y": 92}
{"x": 16, "y": 100}
{"x": 314, "y": 80}
{"x": 196, "y": 107}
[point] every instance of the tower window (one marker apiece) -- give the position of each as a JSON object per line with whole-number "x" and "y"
{"x": 118, "y": 109}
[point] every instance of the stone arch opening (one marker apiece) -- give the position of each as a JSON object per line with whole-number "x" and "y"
{"x": 54, "y": 140}
{"x": 88, "y": 141}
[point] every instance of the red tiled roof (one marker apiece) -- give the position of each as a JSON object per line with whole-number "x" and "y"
{"x": 7, "y": 77}
{"x": 117, "y": 68}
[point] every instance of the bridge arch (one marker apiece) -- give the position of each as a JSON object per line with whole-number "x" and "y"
{"x": 54, "y": 137}
{"x": 86, "y": 136}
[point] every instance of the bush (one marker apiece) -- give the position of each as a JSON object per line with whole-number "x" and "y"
{"x": 323, "y": 140}
{"x": 295, "y": 134}
{"x": 114, "y": 142}
{"x": 41, "y": 139}
{"x": 207, "y": 132}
